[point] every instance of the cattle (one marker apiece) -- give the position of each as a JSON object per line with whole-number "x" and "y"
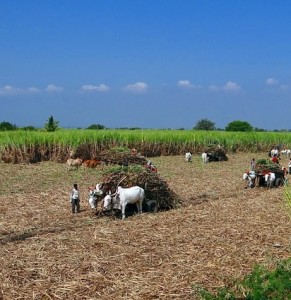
{"x": 96, "y": 195}
{"x": 250, "y": 176}
{"x": 270, "y": 179}
{"x": 188, "y": 157}
{"x": 286, "y": 152}
{"x": 105, "y": 188}
{"x": 204, "y": 157}
{"x": 92, "y": 198}
{"x": 91, "y": 163}
{"x": 124, "y": 196}
{"x": 77, "y": 162}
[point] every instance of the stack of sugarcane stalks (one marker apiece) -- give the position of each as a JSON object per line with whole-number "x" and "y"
{"x": 157, "y": 192}
{"x": 215, "y": 153}
{"x": 264, "y": 166}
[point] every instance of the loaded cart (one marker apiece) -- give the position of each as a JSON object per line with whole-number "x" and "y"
{"x": 215, "y": 153}
{"x": 275, "y": 173}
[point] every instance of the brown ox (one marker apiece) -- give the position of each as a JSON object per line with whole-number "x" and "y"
{"x": 91, "y": 163}
{"x": 77, "y": 162}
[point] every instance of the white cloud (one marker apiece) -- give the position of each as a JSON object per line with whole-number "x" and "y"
{"x": 231, "y": 87}
{"x": 271, "y": 81}
{"x": 137, "y": 87}
{"x": 34, "y": 90}
{"x": 92, "y": 88}
{"x": 51, "y": 88}
{"x": 185, "y": 84}
{"x": 9, "y": 90}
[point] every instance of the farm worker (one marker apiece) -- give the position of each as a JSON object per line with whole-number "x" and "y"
{"x": 253, "y": 164}
{"x": 289, "y": 166}
{"x": 75, "y": 199}
{"x": 133, "y": 152}
{"x": 151, "y": 167}
{"x": 275, "y": 159}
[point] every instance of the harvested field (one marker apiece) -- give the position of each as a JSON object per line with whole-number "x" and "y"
{"x": 219, "y": 233}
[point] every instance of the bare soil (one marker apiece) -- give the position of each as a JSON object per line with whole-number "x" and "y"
{"x": 219, "y": 233}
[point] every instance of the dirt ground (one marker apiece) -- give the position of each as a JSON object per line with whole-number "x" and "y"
{"x": 219, "y": 233}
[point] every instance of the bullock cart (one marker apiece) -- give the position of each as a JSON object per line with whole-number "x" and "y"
{"x": 158, "y": 195}
{"x": 215, "y": 153}
{"x": 266, "y": 166}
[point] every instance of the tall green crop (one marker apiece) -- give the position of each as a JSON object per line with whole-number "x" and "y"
{"x": 166, "y": 139}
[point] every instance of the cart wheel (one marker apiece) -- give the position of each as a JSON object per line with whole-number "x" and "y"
{"x": 152, "y": 206}
{"x": 279, "y": 182}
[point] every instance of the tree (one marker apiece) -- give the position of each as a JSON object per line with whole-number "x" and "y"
{"x": 7, "y": 126}
{"x": 51, "y": 124}
{"x": 204, "y": 124}
{"x": 96, "y": 126}
{"x": 259, "y": 129}
{"x": 239, "y": 126}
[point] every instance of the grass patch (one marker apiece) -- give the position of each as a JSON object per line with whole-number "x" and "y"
{"x": 259, "y": 285}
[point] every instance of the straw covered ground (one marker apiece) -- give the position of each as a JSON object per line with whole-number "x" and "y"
{"x": 219, "y": 233}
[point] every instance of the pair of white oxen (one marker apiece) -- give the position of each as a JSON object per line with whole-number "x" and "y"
{"x": 270, "y": 179}
{"x": 204, "y": 156}
{"x": 286, "y": 152}
{"x": 119, "y": 199}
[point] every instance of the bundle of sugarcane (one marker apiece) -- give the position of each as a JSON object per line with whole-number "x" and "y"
{"x": 215, "y": 153}
{"x": 264, "y": 166}
{"x": 156, "y": 188}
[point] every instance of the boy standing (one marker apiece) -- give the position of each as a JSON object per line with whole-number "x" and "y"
{"x": 253, "y": 164}
{"x": 75, "y": 199}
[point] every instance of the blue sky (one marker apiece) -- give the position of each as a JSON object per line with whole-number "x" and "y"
{"x": 145, "y": 63}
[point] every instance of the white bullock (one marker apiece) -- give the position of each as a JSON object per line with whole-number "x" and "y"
{"x": 92, "y": 198}
{"x": 286, "y": 152}
{"x": 204, "y": 157}
{"x": 188, "y": 156}
{"x": 96, "y": 195}
{"x": 98, "y": 189}
{"x": 123, "y": 196}
{"x": 251, "y": 178}
{"x": 270, "y": 179}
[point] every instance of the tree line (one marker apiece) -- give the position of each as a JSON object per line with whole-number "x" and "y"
{"x": 52, "y": 124}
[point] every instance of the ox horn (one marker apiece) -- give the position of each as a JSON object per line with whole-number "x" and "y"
{"x": 112, "y": 195}
{"x": 121, "y": 181}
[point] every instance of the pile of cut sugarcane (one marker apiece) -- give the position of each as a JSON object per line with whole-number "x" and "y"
{"x": 264, "y": 166}
{"x": 157, "y": 191}
{"x": 215, "y": 153}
